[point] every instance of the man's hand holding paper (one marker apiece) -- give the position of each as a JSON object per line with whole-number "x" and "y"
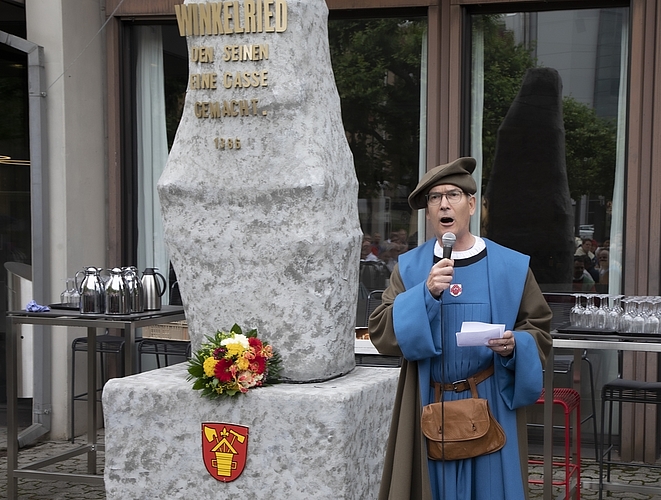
{"x": 475, "y": 333}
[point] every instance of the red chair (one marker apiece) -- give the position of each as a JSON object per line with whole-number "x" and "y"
{"x": 570, "y": 400}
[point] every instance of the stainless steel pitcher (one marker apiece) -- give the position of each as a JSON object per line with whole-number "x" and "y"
{"x": 117, "y": 297}
{"x": 92, "y": 291}
{"x": 153, "y": 286}
{"x": 136, "y": 296}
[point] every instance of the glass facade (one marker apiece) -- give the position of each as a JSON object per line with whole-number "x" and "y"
{"x": 380, "y": 68}
{"x": 15, "y": 224}
{"x": 547, "y": 126}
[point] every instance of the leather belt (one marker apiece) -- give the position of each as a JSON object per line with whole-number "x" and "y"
{"x": 465, "y": 384}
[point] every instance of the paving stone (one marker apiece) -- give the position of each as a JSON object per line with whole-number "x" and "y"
{"x": 62, "y": 490}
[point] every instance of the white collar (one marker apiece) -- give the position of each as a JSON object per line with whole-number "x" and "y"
{"x": 477, "y": 247}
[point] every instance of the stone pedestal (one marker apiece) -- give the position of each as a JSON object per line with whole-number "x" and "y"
{"x": 306, "y": 441}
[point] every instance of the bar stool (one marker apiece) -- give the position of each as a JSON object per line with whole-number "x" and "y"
{"x": 621, "y": 391}
{"x": 105, "y": 344}
{"x": 562, "y": 364}
{"x": 569, "y": 400}
{"x": 162, "y": 347}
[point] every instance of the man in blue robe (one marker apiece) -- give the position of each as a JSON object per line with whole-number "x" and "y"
{"x": 428, "y": 299}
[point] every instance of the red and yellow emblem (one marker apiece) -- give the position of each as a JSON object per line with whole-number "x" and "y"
{"x": 224, "y": 449}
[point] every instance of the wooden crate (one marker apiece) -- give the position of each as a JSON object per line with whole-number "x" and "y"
{"x": 177, "y": 330}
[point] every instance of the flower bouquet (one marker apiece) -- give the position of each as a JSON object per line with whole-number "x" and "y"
{"x": 231, "y": 363}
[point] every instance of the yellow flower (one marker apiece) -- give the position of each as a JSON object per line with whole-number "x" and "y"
{"x": 210, "y": 366}
{"x": 242, "y": 364}
{"x": 235, "y": 349}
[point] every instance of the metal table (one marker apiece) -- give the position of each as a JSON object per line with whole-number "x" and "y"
{"x": 128, "y": 324}
{"x": 579, "y": 341}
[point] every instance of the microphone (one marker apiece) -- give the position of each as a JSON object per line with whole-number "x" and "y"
{"x": 448, "y": 240}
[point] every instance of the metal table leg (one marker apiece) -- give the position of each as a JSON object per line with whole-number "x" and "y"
{"x": 548, "y": 427}
{"x": 91, "y": 399}
{"x": 12, "y": 409}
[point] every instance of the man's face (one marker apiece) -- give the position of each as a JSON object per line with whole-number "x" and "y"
{"x": 365, "y": 249}
{"x": 579, "y": 267}
{"x": 447, "y": 217}
{"x": 587, "y": 246}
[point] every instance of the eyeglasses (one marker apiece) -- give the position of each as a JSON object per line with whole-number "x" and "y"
{"x": 453, "y": 197}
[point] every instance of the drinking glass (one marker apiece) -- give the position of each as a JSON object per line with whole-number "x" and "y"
{"x": 65, "y": 295}
{"x": 576, "y": 311}
{"x": 74, "y": 294}
{"x": 589, "y": 315}
{"x": 601, "y": 314}
{"x": 626, "y": 321}
{"x": 651, "y": 319}
{"x": 614, "y": 313}
{"x": 638, "y": 322}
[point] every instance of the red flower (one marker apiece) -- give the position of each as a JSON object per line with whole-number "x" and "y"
{"x": 255, "y": 342}
{"x": 258, "y": 365}
{"x": 222, "y": 371}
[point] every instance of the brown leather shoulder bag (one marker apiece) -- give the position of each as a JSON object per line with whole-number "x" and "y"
{"x": 464, "y": 428}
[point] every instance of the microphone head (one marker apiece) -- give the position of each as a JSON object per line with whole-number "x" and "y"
{"x": 448, "y": 239}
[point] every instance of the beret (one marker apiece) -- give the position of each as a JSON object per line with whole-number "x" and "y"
{"x": 458, "y": 173}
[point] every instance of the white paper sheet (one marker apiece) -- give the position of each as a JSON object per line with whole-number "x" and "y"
{"x": 474, "y": 333}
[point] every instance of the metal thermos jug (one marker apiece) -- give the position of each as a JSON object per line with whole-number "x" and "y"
{"x": 117, "y": 298}
{"x": 153, "y": 287}
{"x": 92, "y": 291}
{"x": 134, "y": 290}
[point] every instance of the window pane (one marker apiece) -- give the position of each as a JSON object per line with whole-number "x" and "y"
{"x": 550, "y": 123}
{"x": 379, "y": 68}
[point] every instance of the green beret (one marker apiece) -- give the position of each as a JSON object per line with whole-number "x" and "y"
{"x": 458, "y": 173}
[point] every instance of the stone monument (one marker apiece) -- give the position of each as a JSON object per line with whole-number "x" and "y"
{"x": 259, "y": 201}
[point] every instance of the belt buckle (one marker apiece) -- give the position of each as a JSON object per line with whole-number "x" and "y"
{"x": 455, "y": 385}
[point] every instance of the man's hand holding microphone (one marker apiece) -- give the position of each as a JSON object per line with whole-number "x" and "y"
{"x": 441, "y": 273}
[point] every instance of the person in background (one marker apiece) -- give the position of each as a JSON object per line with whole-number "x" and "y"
{"x": 423, "y": 307}
{"x": 586, "y": 249}
{"x": 376, "y": 244}
{"x": 366, "y": 250}
{"x": 603, "y": 257}
{"x": 582, "y": 281}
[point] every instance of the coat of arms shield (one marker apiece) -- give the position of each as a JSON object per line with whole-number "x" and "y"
{"x": 224, "y": 449}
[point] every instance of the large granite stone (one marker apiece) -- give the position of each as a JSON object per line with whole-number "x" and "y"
{"x": 306, "y": 441}
{"x": 268, "y": 235}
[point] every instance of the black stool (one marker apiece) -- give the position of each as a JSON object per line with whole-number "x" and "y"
{"x": 105, "y": 344}
{"x": 162, "y": 347}
{"x": 621, "y": 391}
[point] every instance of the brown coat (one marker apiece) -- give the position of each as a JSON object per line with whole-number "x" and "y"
{"x": 405, "y": 472}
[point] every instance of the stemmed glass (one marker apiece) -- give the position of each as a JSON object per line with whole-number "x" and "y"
{"x": 65, "y": 296}
{"x": 614, "y": 313}
{"x": 638, "y": 322}
{"x": 601, "y": 314}
{"x": 577, "y": 311}
{"x": 651, "y": 319}
{"x": 74, "y": 294}
{"x": 626, "y": 320}
{"x": 589, "y": 315}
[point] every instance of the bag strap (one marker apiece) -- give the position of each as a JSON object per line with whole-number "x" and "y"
{"x": 464, "y": 385}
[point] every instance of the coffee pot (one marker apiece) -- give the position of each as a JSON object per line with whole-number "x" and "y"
{"x": 134, "y": 289}
{"x": 117, "y": 297}
{"x": 153, "y": 289}
{"x": 92, "y": 291}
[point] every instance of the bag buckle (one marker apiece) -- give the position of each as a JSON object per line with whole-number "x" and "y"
{"x": 459, "y": 385}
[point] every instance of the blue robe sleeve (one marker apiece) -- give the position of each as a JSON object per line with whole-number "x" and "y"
{"x": 416, "y": 320}
{"x": 520, "y": 377}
